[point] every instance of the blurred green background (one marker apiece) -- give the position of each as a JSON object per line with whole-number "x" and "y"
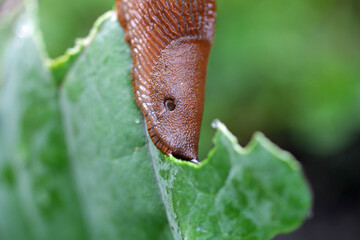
{"x": 288, "y": 68}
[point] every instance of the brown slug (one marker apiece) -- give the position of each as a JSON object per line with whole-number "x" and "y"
{"x": 170, "y": 41}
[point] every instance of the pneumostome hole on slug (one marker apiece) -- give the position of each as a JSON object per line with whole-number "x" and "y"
{"x": 170, "y": 104}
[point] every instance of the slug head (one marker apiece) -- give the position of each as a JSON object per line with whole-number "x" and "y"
{"x": 178, "y": 86}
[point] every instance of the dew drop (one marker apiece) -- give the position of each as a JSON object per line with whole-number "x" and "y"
{"x": 214, "y": 123}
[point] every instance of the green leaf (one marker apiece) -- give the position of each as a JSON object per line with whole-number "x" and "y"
{"x": 106, "y": 180}
{"x": 237, "y": 193}
{"x": 107, "y": 143}
{"x": 37, "y": 193}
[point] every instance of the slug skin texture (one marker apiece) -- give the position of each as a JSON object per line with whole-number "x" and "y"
{"x": 170, "y": 42}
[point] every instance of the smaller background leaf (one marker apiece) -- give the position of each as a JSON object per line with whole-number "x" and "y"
{"x": 37, "y": 194}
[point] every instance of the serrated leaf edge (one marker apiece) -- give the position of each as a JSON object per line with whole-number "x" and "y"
{"x": 258, "y": 138}
{"x": 71, "y": 54}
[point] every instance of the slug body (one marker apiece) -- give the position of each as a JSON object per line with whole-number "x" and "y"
{"x": 170, "y": 42}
